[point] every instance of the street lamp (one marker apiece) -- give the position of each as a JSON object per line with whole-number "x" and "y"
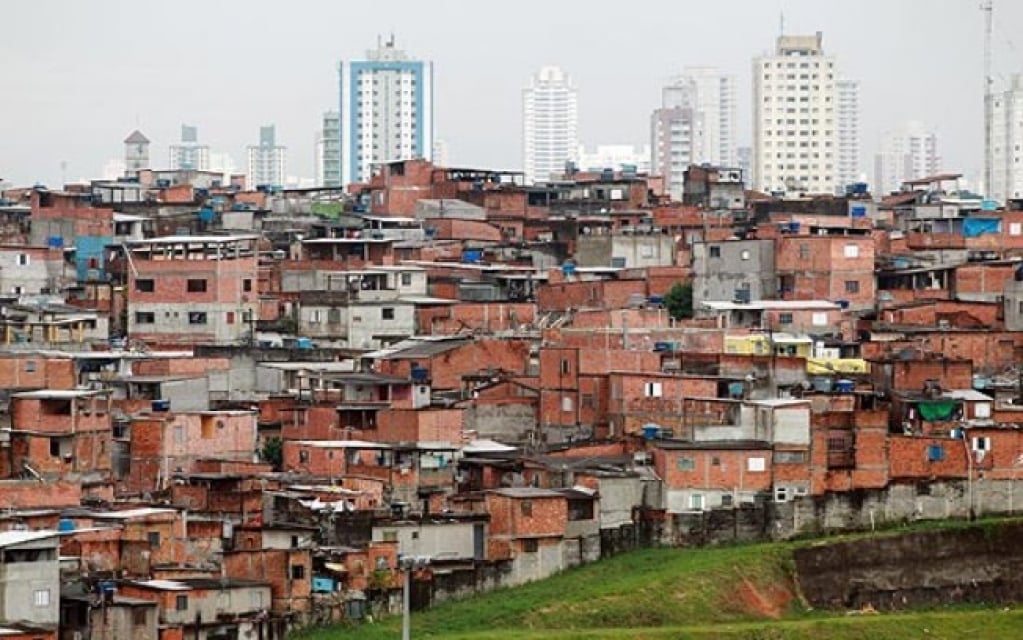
{"x": 407, "y": 564}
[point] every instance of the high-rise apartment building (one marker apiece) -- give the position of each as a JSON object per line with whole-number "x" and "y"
{"x": 674, "y": 137}
{"x": 847, "y": 119}
{"x": 695, "y": 124}
{"x": 189, "y": 154}
{"x": 328, "y": 151}
{"x": 440, "y": 153}
{"x": 386, "y": 111}
{"x": 266, "y": 160}
{"x": 744, "y": 160}
{"x": 713, "y": 98}
{"x": 619, "y": 157}
{"x": 1005, "y": 158}
{"x": 905, "y": 154}
{"x": 795, "y": 121}
{"x": 550, "y": 124}
{"x": 136, "y": 152}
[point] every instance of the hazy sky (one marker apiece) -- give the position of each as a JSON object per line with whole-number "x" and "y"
{"x": 79, "y": 75}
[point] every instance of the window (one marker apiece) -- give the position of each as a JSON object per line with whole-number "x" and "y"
{"x": 390, "y": 535}
{"x": 181, "y": 603}
{"x": 196, "y": 286}
{"x": 196, "y": 317}
{"x": 530, "y": 545}
{"x": 804, "y": 251}
{"x": 526, "y": 508}
{"x": 41, "y": 597}
{"x": 145, "y": 285}
{"x": 154, "y": 539}
{"x": 406, "y": 279}
{"x": 229, "y": 317}
{"x": 714, "y": 251}
{"x": 297, "y": 571}
{"x": 566, "y": 404}
{"x": 54, "y": 447}
{"x": 685, "y": 464}
{"x": 852, "y": 251}
{"x": 819, "y": 319}
{"x": 303, "y": 455}
{"x": 1015, "y": 228}
{"x": 726, "y": 500}
{"x": 852, "y": 286}
{"x": 30, "y": 366}
{"x": 756, "y": 464}
{"x": 138, "y": 616}
{"x": 982, "y": 443}
{"x": 387, "y": 313}
{"x": 652, "y": 389}
{"x": 247, "y": 284}
{"x": 784, "y": 318}
{"x": 145, "y": 317}
{"x": 565, "y": 367}
{"x": 789, "y": 457}
{"x": 696, "y": 502}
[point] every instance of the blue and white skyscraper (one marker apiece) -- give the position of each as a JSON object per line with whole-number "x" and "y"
{"x": 386, "y": 111}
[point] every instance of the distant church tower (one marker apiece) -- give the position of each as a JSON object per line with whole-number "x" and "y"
{"x": 136, "y": 152}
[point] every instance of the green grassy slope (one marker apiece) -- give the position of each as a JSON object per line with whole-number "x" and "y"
{"x": 721, "y": 592}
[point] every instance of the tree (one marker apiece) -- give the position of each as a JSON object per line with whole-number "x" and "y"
{"x": 273, "y": 452}
{"x": 679, "y": 300}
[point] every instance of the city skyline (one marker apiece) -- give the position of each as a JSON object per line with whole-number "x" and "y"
{"x": 43, "y": 130}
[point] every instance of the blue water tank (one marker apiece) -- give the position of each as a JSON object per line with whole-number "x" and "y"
{"x": 568, "y": 269}
{"x": 664, "y": 346}
{"x": 161, "y": 406}
{"x": 794, "y": 226}
{"x": 66, "y": 524}
{"x": 822, "y": 385}
{"x": 858, "y": 211}
{"x": 420, "y": 374}
{"x": 736, "y": 389}
{"x": 472, "y": 255}
{"x": 55, "y": 242}
{"x": 651, "y": 431}
{"x": 303, "y": 343}
{"x": 845, "y": 386}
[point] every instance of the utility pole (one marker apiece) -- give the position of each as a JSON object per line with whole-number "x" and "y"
{"x": 987, "y": 6}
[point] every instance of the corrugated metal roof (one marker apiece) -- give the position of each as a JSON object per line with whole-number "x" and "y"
{"x": 13, "y": 538}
